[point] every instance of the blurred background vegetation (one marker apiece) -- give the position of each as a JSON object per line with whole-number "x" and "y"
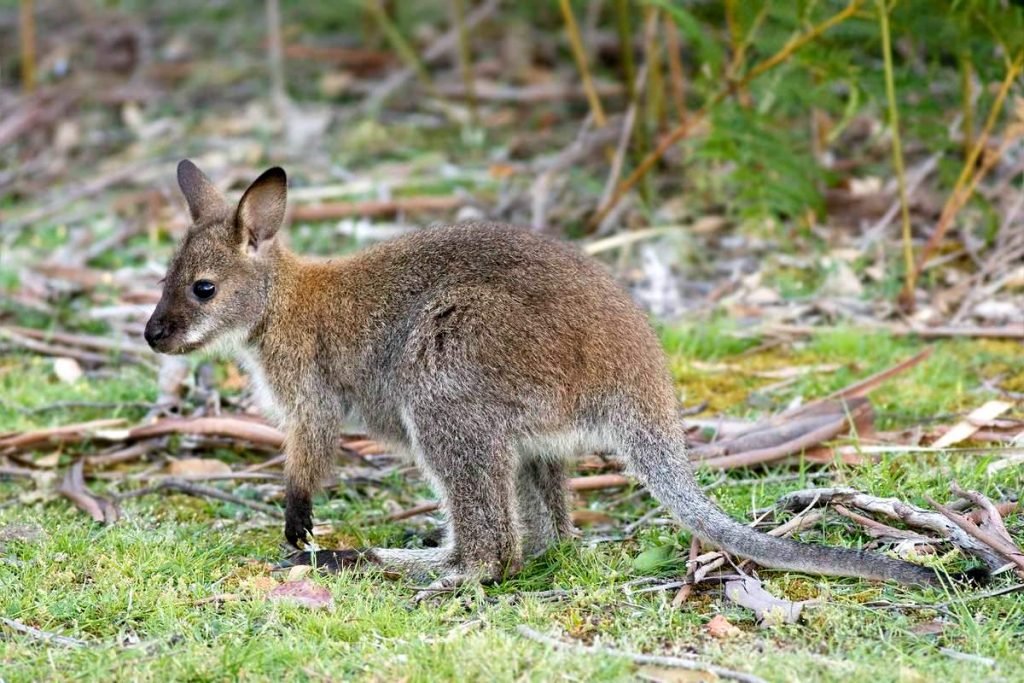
{"x": 824, "y": 147}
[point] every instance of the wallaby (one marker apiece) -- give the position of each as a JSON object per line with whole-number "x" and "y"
{"x": 490, "y": 354}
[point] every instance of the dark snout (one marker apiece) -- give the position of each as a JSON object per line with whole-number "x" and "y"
{"x": 158, "y": 331}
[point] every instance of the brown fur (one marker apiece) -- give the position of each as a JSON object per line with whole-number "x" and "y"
{"x": 490, "y": 354}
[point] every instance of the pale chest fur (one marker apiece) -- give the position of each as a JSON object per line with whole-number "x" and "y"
{"x": 262, "y": 391}
{"x": 234, "y": 345}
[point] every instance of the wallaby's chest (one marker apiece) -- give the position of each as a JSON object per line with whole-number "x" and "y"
{"x": 267, "y": 398}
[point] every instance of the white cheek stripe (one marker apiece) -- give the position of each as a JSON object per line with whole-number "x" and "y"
{"x": 198, "y": 333}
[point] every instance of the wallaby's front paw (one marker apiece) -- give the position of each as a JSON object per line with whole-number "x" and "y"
{"x": 298, "y": 521}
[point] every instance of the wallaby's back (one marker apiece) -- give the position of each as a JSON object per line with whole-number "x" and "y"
{"x": 532, "y": 312}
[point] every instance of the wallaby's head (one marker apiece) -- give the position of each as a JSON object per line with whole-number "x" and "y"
{"x": 219, "y": 279}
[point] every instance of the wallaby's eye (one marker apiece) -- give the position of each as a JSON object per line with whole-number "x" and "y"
{"x": 204, "y": 289}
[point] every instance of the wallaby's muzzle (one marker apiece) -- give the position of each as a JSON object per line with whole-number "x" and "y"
{"x": 157, "y": 333}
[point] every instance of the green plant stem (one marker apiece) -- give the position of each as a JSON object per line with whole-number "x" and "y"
{"x": 897, "y": 147}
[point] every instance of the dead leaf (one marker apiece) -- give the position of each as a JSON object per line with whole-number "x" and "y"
{"x": 721, "y": 628}
{"x": 303, "y": 593}
{"x": 48, "y": 461}
{"x": 978, "y": 418}
{"x": 197, "y": 467}
{"x": 929, "y": 628}
{"x": 67, "y": 370}
{"x": 770, "y": 610}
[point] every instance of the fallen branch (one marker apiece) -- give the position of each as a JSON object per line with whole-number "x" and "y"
{"x": 39, "y": 634}
{"x": 232, "y": 427}
{"x": 66, "y": 433}
{"x": 894, "y": 509}
{"x": 374, "y": 208}
{"x": 656, "y": 660}
{"x": 998, "y": 538}
{"x": 74, "y": 489}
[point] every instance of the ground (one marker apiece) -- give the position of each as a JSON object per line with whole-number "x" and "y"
{"x": 135, "y": 590}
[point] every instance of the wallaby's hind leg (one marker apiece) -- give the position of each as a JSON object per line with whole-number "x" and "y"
{"x": 476, "y": 477}
{"x": 543, "y": 507}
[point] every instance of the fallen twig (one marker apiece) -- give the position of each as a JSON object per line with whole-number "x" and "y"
{"x": 374, "y": 207}
{"x": 72, "y": 432}
{"x": 994, "y": 539}
{"x": 39, "y": 634}
{"x": 74, "y": 489}
{"x": 895, "y": 509}
{"x": 657, "y": 660}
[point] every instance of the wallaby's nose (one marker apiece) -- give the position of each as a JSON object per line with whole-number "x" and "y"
{"x": 155, "y": 331}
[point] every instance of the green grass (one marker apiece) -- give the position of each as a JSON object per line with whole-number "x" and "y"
{"x": 131, "y": 590}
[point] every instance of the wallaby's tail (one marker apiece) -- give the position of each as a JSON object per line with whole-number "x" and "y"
{"x": 663, "y": 468}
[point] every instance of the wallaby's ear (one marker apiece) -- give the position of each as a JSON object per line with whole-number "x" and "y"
{"x": 261, "y": 209}
{"x": 203, "y": 197}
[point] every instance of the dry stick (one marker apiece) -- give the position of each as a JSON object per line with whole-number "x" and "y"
{"x": 938, "y": 332}
{"x": 686, "y": 127}
{"x": 374, "y": 207}
{"x": 200, "y": 491}
{"x": 866, "y": 385}
{"x": 1010, "y": 552}
{"x": 684, "y": 592}
{"x": 123, "y": 455}
{"x": 41, "y": 436}
{"x": 878, "y": 529}
{"x": 38, "y": 634}
{"x": 257, "y": 432}
{"x": 656, "y": 660}
{"x": 897, "y": 147}
{"x": 763, "y": 455}
{"x": 895, "y": 509}
{"x": 421, "y": 509}
{"x": 73, "y": 488}
{"x": 958, "y": 197}
{"x": 995, "y": 517}
{"x": 1004, "y": 509}
{"x": 442, "y": 46}
{"x": 15, "y": 471}
{"x": 624, "y": 136}
{"x": 45, "y": 349}
{"x": 580, "y": 55}
{"x": 89, "y": 341}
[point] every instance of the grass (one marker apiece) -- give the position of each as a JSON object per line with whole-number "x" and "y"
{"x": 131, "y": 590}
